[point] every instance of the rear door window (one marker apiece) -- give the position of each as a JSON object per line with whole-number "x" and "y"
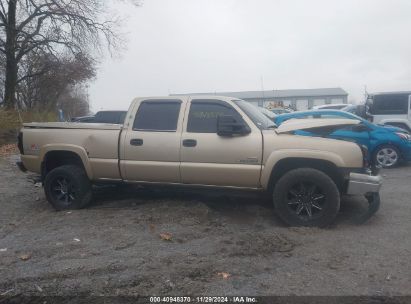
{"x": 157, "y": 116}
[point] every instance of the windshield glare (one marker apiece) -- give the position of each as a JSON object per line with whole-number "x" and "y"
{"x": 252, "y": 111}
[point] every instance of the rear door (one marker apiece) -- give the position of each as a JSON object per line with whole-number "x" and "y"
{"x": 150, "y": 149}
{"x": 210, "y": 159}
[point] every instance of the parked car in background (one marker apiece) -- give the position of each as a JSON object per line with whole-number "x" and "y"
{"x": 360, "y": 110}
{"x": 331, "y": 106}
{"x": 353, "y": 109}
{"x": 270, "y": 115}
{"x": 89, "y": 118}
{"x": 112, "y": 117}
{"x": 387, "y": 145}
{"x": 391, "y": 109}
{"x": 279, "y": 111}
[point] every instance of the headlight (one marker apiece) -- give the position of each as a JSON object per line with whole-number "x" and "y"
{"x": 404, "y": 136}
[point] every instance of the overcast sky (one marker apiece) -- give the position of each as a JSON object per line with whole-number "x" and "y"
{"x": 181, "y": 46}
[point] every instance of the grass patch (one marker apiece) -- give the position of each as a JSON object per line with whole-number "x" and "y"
{"x": 12, "y": 120}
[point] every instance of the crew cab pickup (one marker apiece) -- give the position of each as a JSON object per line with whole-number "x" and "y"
{"x": 206, "y": 141}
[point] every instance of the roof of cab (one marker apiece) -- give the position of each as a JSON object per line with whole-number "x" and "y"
{"x": 174, "y": 97}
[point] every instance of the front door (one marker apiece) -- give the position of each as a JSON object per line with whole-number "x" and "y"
{"x": 210, "y": 159}
{"x": 151, "y": 145}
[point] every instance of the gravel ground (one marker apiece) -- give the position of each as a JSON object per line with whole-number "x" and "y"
{"x": 138, "y": 241}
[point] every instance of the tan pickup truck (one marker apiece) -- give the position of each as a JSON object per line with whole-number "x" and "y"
{"x": 207, "y": 141}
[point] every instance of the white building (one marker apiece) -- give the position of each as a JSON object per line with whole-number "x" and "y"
{"x": 300, "y": 99}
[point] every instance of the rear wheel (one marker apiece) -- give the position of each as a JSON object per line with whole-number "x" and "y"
{"x": 68, "y": 187}
{"x": 306, "y": 197}
{"x": 387, "y": 156}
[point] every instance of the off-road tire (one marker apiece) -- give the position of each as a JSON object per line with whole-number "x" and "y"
{"x": 283, "y": 198}
{"x": 80, "y": 187}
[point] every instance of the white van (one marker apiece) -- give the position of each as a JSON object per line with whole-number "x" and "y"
{"x": 391, "y": 109}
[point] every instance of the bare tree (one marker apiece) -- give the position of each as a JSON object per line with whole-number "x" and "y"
{"x": 45, "y": 79}
{"x": 74, "y": 101}
{"x": 53, "y": 27}
{"x": 2, "y": 74}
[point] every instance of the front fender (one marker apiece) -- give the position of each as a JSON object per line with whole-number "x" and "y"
{"x": 279, "y": 155}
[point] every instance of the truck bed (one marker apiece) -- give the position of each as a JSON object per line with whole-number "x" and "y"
{"x": 97, "y": 143}
{"x": 72, "y": 125}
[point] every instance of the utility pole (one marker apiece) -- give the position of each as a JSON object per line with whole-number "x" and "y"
{"x": 262, "y": 90}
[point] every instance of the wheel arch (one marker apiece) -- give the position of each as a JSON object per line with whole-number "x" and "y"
{"x": 287, "y": 164}
{"x": 56, "y": 156}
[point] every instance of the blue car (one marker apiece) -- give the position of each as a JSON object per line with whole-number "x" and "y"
{"x": 387, "y": 145}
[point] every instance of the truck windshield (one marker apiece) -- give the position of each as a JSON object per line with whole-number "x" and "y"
{"x": 258, "y": 118}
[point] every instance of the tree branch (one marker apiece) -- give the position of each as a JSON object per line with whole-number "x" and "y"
{"x": 37, "y": 13}
{"x": 31, "y": 75}
{"x": 3, "y": 13}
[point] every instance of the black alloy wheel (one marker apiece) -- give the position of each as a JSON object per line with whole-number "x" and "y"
{"x": 63, "y": 190}
{"x": 306, "y": 200}
{"x": 68, "y": 187}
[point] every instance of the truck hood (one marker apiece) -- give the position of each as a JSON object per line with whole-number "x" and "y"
{"x": 321, "y": 125}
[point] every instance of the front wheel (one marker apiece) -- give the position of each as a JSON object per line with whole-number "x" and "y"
{"x": 68, "y": 187}
{"x": 387, "y": 156}
{"x": 306, "y": 197}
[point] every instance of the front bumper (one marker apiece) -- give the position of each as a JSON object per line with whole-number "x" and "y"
{"x": 362, "y": 184}
{"x": 369, "y": 186}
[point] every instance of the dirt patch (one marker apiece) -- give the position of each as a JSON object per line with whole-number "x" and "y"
{"x": 6, "y": 150}
{"x": 115, "y": 248}
{"x": 251, "y": 244}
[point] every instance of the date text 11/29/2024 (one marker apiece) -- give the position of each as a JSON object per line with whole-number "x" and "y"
{"x": 203, "y": 299}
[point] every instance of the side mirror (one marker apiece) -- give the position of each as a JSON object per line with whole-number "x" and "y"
{"x": 228, "y": 125}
